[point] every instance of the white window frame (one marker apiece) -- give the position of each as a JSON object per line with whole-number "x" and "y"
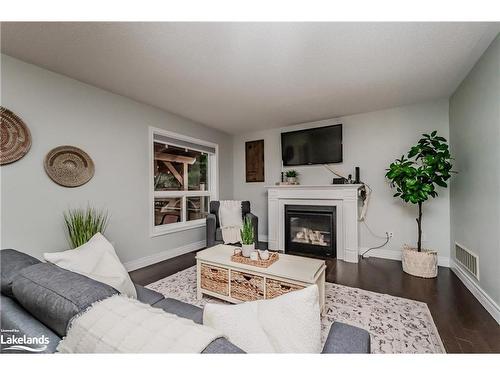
{"x": 212, "y": 192}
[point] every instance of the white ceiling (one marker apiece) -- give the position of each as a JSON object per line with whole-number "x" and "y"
{"x": 239, "y": 77}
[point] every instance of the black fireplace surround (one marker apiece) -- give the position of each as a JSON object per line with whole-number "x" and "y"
{"x": 311, "y": 230}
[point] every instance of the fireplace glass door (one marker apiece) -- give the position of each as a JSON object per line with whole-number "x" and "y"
{"x": 310, "y": 230}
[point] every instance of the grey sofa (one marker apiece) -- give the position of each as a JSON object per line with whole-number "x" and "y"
{"x": 214, "y": 232}
{"x": 39, "y": 300}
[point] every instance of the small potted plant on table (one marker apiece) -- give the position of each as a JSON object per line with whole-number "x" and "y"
{"x": 247, "y": 238}
{"x": 415, "y": 178}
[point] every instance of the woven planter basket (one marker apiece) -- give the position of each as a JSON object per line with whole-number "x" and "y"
{"x": 421, "y": 264}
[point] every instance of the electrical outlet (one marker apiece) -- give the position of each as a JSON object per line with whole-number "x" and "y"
{"x": 390, "y": 234}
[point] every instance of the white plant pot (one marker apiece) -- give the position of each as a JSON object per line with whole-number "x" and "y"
{"x": 421, "y": 264}
{"x": 291, "y": 180}
{"x": 246, "y": 250}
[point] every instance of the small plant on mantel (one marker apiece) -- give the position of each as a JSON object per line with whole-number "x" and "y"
{"x": 247, "y": 237}
{"x": 416, "y": 177}
{"x": 291, "y": 176}
{"x": 83, "y": 224}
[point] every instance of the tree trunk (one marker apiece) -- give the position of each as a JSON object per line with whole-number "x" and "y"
{"x": 419, "y": 223}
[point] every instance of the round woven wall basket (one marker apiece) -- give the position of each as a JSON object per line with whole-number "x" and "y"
{"x": 15, "y": 137}
{"x": 69, "y": 166}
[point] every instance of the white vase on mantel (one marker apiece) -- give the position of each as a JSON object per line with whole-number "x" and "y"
{"x": 246, "y": 250}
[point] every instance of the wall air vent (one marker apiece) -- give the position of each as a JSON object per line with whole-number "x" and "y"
{"x": 467, "y": 259}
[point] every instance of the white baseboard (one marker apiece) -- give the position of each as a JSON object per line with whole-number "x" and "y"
{"x": 396, "y": 255}
{"x": 484, "y": 299}
{"x": 164, "y": 255}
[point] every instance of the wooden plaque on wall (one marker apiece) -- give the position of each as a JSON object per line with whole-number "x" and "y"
{"x": 254, "y": 161}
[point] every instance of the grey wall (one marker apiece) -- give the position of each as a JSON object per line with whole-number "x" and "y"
{"x": 113, "y": 130}
{"x": 475, "y": 191}
{"x": 371, "y": 141}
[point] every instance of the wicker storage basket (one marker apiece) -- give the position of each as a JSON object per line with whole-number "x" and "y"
{"x": 276, "y": 288}
{"x": 421, "y": 264}
{"x": 246, "y": 287}
{"x": 215, "y": 279}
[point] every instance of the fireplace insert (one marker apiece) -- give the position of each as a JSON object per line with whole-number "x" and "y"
{"x": 310, "y": 230}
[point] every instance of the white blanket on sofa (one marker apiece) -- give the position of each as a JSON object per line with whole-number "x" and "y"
{"x": 231, "y": 221}
{"x": 122, "y": 325}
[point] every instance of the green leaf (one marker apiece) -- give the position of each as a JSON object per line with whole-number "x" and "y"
{"x": 441, "y": 183}
{"x": 247, "y": 235}
{"x": 427, "y": 187}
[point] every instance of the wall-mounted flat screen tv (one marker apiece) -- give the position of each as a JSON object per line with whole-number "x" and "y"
{"x": 312, "y": 146}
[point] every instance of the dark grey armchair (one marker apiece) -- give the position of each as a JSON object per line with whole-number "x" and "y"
{"x": 214, "y": 233}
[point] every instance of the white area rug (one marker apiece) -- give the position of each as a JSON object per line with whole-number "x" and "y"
{"x": 396, "y": 325}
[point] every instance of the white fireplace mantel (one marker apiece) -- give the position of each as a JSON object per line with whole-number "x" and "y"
{"x": 343, "y": 197}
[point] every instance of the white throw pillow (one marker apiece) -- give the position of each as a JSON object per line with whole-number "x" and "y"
{"x": 97, "y": 260}
{"x": 290, "y": 323}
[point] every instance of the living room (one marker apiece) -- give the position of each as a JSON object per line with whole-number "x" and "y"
{"x": 343, "y": 172}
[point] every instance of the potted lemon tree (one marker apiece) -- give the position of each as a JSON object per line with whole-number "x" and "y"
{"x": 415, "y": 178}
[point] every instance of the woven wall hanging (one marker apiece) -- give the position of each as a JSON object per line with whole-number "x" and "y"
{"x": 15, "y": 137}
{"x": 69, "y": 166}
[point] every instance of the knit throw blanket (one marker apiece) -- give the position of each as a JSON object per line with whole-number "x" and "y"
{"x": 230, "y": 216}
{"x": 119, "y": 324}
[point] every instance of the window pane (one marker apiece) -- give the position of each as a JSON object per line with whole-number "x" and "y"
{"x": 174, "y": 165}
{"x": 169, "y": 169}
{"x": 197, "y": 208}
{"x": 168, "y": 210}
{"x": 198, "y": 172}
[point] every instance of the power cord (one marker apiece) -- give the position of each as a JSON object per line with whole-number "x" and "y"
{"x": 366, "y": 193}
{"x": 362, "y": 217}
{"x": 333, "y": 171}
{"x": 377, "y": 247}
{"x": 363, "y": 220}
{"x": 374, "y": 234}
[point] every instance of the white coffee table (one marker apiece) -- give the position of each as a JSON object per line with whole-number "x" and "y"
{"x": 219, "y": 277}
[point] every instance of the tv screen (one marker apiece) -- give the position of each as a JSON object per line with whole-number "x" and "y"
{"x": 312, "y": 146}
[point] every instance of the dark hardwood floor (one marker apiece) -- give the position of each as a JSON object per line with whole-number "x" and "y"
{"x": 157, "y": 271}
{"x": 463, "y": 324}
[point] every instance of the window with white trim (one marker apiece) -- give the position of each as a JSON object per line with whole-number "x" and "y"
{"x": 184, "y": 181}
